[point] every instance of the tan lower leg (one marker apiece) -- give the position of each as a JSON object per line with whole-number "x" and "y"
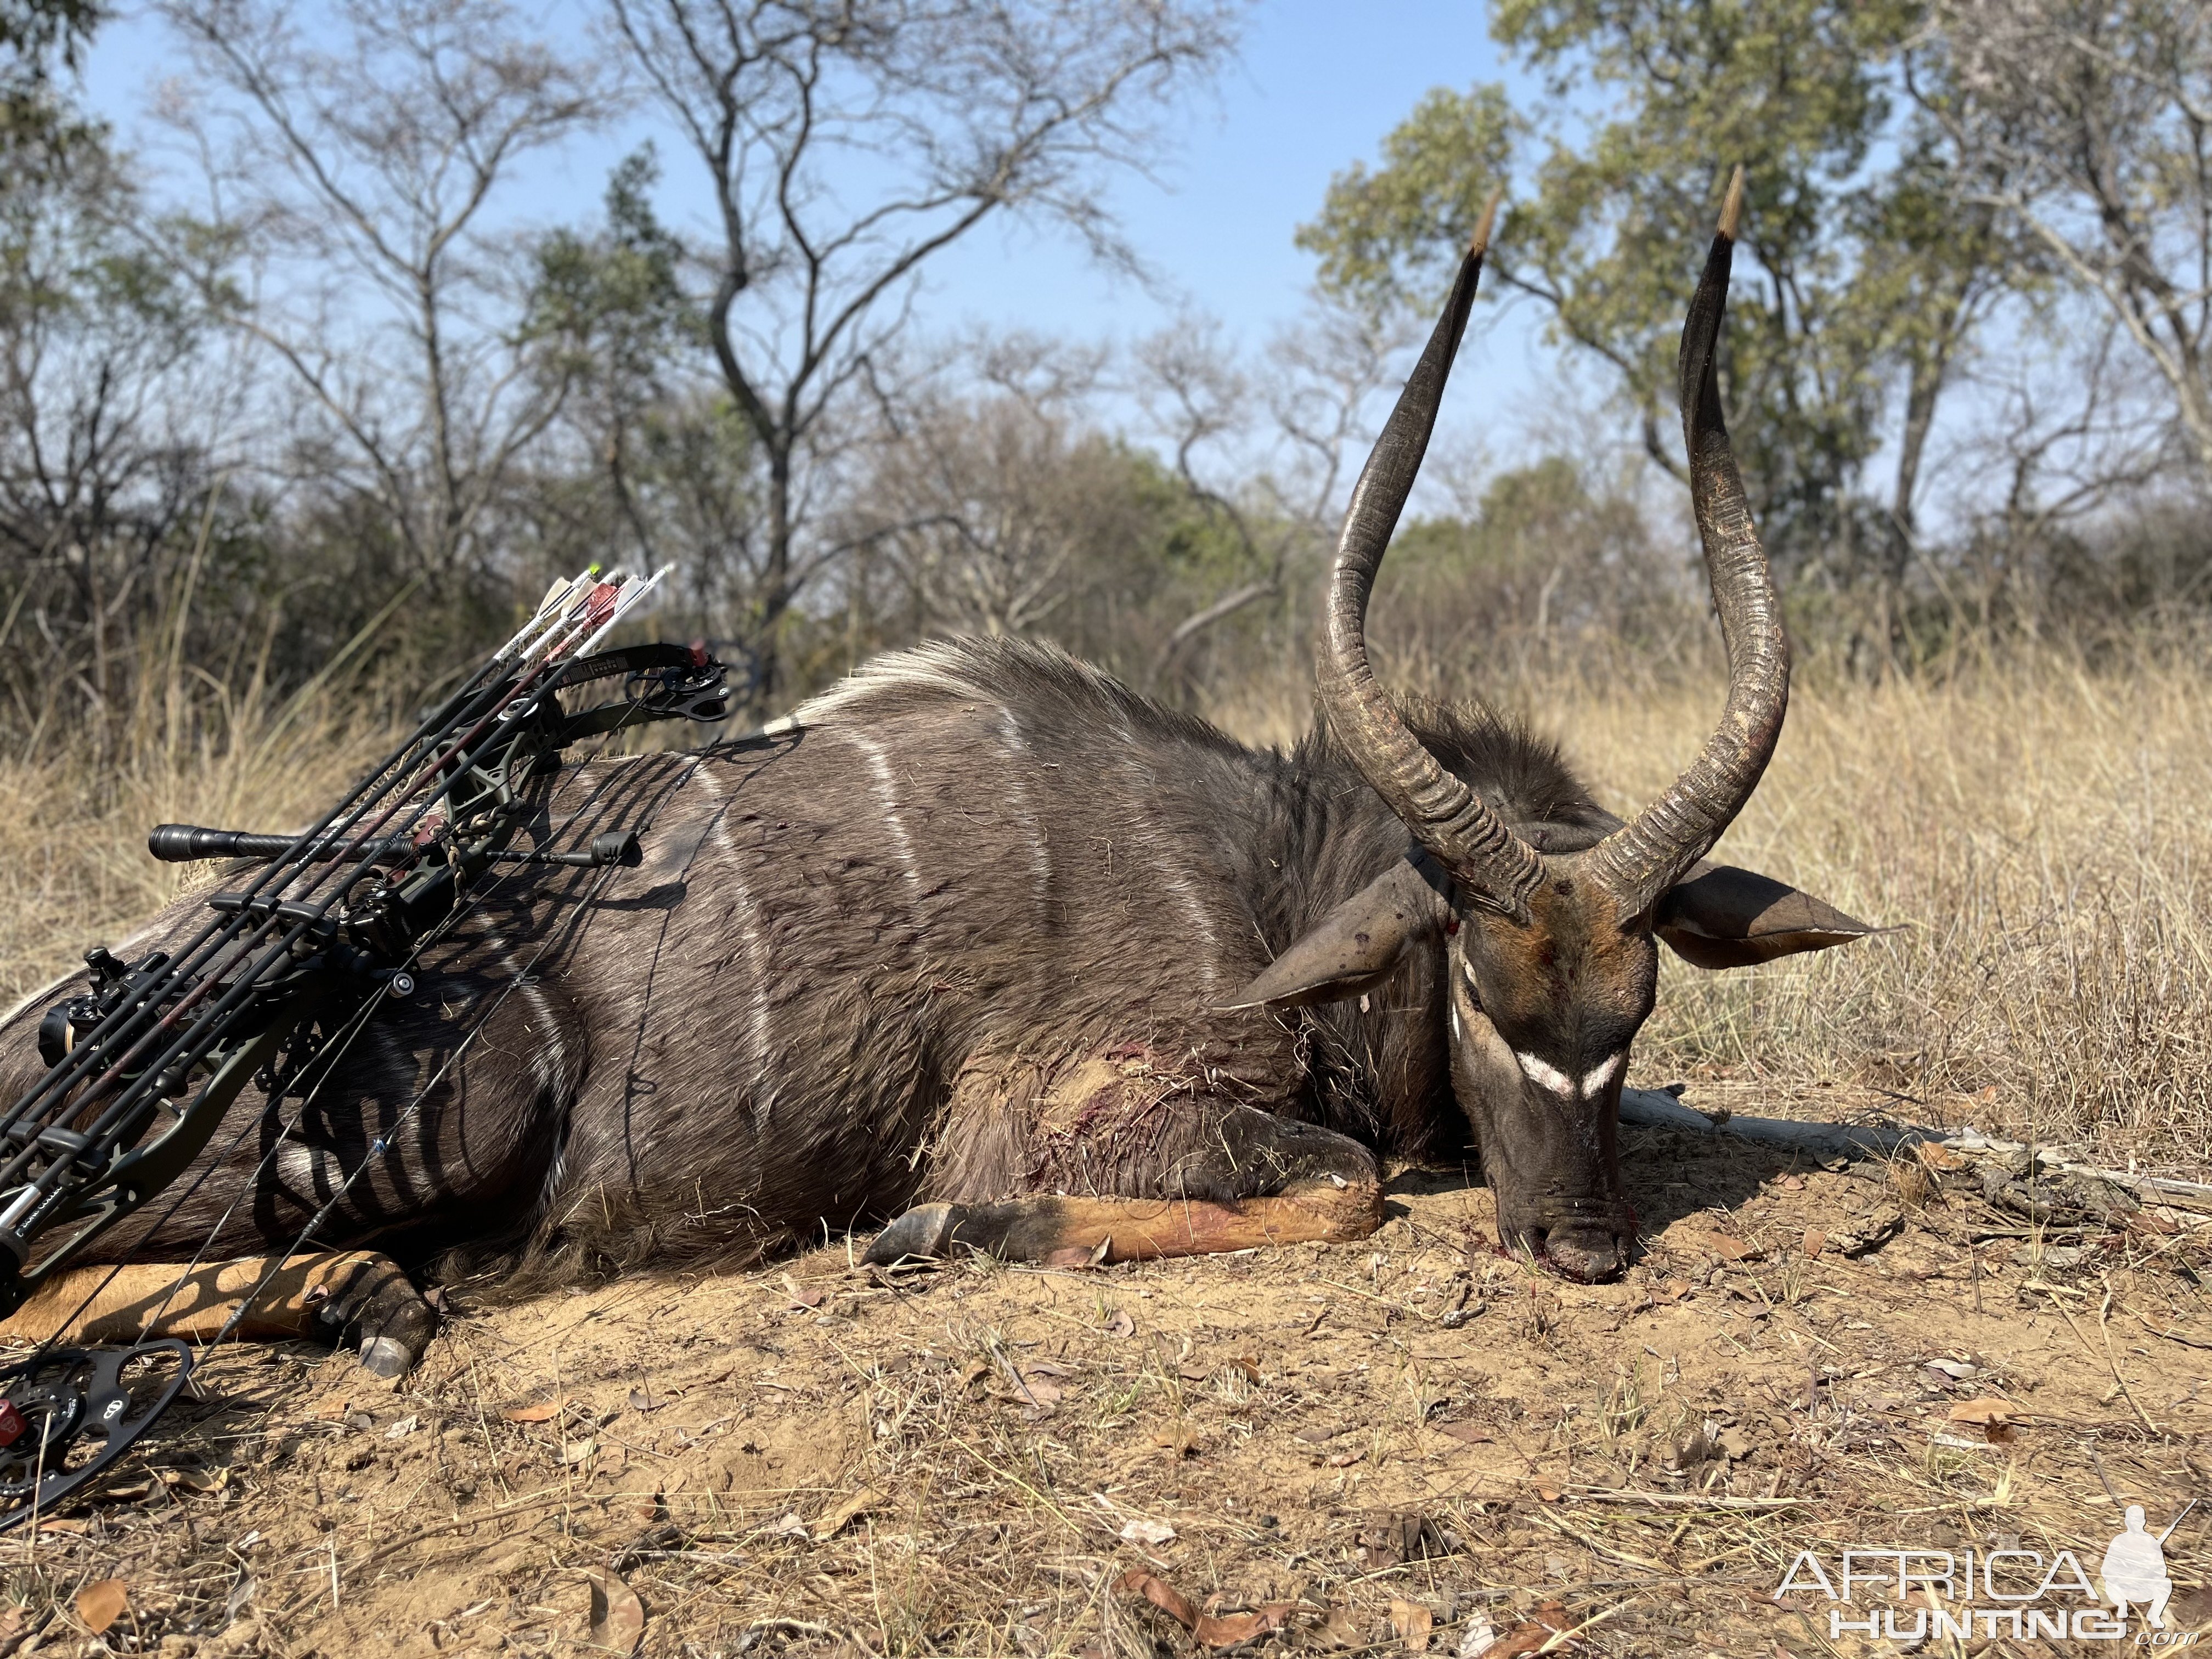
{"x": 1140, "y": 1229}
{"x": 151, "y": 1299}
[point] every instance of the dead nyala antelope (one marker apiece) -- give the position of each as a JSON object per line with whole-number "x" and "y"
{"x": 983, "y": 945}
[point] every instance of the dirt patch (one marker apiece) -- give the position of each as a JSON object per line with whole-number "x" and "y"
{"x": 1379, "y": 1446}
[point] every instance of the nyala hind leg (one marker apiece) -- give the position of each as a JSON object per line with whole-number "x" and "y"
{"x": 1206, "y": 1178}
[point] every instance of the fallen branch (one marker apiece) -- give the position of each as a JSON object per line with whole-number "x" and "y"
{"x": 1649, "y": 1108}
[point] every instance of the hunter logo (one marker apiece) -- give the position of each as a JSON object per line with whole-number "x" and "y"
{"x": 1911, "y": 1596}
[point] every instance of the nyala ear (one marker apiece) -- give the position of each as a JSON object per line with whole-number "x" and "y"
{"x": 1720, "y": 916}
{"x": 1354, "y": 948}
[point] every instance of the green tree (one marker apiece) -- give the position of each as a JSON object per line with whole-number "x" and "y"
{"x": 1862, "y": 285}
{"x": 616, "y": 331}
{"x": 35, "y": 36}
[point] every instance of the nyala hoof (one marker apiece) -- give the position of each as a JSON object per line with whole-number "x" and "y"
{"x": 926, "y": 1231}
{"x": 331, "y": 1296}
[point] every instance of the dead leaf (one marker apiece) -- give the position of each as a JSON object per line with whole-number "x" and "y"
{"x": 1121, "y": 1324}
{"x": 574, "y": 1452}
{"x": 1226, "y": 1631}
{"x": 806, "y": 1296}
{"x": 1733, "y": 1445}
{"x": 834, "y": 1521}
{"x": 1403, "y": 1535}
{"x": 1937, "y": 1156}
{"x": 100, "y": 1603}
{"x": 1180, "y": 1440}
{"x": 544, "y": 1411}
{"x": 330, "y": 1410}
{"x": 1342, "y": 1630}
{"x": 1413, "y": 1622}
{"x": 1073, "y": 1259}
{"x": 617, "y": 1616}
{"x": 1725, "y": 1246}
{"x": 1695, "y": 1447}
{"x": 1550, "y": 1494}
{"x": 72, "y": 1524}
{"x": 1992, "y": 1416}
{"x": 1149, "y": 1534}
{"x": 1546, "y": 1622}
{"x": 1987, "y": 1410}
{"x": 1816, "y": 1240}
{"x": 1472, "y": 1433}
{"x": 1869, "y": 1234}
{"x": 199, "y": 1481}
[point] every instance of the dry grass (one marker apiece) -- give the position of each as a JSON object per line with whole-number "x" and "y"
{"x": 75, "y": 810}
{"x": 2036, "y": 833}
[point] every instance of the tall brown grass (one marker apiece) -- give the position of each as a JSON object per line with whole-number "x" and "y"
{"x": 2039, "y": 834}
{"x": 76, "y": 805}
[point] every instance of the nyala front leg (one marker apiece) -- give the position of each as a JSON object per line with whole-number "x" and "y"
{"x": 1116, "y": 1155}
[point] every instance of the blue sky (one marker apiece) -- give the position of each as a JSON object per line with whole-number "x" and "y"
{"x": 1316, "y": 86}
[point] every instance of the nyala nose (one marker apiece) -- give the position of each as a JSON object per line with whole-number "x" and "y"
{"x": 1584, "y": 1254}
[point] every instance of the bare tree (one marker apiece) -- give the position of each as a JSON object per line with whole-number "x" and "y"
{"x": 107, "y": 406}
{"x": 1001, "y": 514}
{"x": 363, "y": 177}
{"x": 2089, "y": 126}
{"x": 1289, "y": 430}
{"x": 849, "y": 141}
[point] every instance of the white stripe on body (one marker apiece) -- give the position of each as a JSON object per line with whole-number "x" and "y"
{"x": 1018, "y": 788}
{"x": 759, "y": 1029}
{"x": 1171, "y": 873}
{"x": 879, "y": 767}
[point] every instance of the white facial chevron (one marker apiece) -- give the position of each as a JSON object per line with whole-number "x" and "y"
{"x": 1545, "y": 1076}
{"x": 1551, "y": 1077}
{"x": 1600, "y": 1075}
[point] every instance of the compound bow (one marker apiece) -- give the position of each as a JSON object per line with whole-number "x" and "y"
{"x": 143, "y": 1065}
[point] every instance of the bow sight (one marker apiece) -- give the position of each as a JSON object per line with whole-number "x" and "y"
{"x": 142, "y": 1065}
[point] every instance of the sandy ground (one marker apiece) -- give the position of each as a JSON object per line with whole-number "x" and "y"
{"x": 1412, "y": 1444}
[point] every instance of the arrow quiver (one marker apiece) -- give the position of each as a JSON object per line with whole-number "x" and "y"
{"x": 142, "y": 1064}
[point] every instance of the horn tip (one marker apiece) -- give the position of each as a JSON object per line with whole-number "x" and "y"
{"x": 1732, "y": 206}
{"x": 1481, "y": 240}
